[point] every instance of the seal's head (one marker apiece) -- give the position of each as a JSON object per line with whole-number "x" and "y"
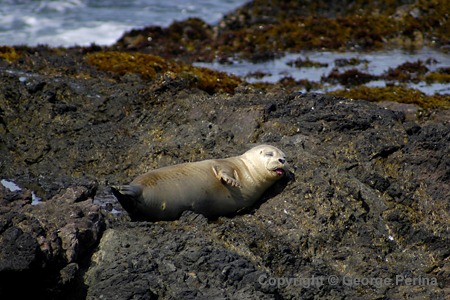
{"x": 272, "y": 159}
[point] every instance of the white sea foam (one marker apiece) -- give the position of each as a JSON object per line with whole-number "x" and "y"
{"x": 61, "y": 6}
{"x": 98, "y": 33}
{"x": 83, "y": 22}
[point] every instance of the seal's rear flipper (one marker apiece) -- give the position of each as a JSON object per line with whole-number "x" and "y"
{"x": 128, "y": 196}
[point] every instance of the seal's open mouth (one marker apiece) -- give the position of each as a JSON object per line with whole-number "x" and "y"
{"x": 279, "y": 171}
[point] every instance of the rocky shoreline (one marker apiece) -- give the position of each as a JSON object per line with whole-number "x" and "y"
{"x": 367, "y": 204}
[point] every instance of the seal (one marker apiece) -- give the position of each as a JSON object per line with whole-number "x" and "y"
{"x": 214, "y": 187}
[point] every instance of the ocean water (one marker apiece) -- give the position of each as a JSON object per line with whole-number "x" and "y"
{"x": 11, "y": 186}
{"x": 83, "y": 22}
{"x": 375, "y": 63}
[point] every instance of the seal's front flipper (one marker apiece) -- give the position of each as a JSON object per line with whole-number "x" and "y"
{"x": 229, "y": 177}
{"x": 128, "y": 196}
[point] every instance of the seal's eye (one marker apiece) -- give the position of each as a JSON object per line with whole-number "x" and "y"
{"x": 269, "y": 154}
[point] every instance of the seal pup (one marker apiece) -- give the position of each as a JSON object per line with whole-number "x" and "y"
{"x": 213, "y": 187}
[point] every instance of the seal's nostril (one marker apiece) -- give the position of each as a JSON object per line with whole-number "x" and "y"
{"x": 282, "y": 160}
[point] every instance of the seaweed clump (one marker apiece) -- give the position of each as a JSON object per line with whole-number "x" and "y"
{"x": 265, "y": 29}
{"x": 441, "y": 75}
{"x": 416, "y": 72}
{"x": 343, "y": 62}
{"x": 151, "y": 66}
{"x": 396, "y": 94}
{"x": 408, "y": 71}
{"x": 9, "y": 54}
{"x": 300, "y": 33}
{"x": 189, "y": 40}
{"x": 349, "y": 78}
{"x": 288, "y": 84}
{"x": 306, "y": 63}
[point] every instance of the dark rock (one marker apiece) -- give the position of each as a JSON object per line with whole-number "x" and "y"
{"x": 19, "y": 250}
{"x": 43, "y": 244}
{"x": 367, "y": 198}
{"x": 189, "y": 264}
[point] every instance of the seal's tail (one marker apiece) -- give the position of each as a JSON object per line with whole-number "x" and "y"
{"x": 128, "y": 196}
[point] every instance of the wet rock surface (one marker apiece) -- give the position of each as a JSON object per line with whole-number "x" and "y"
{"x": 264, "y": 29}
{"x": 43, "y": 245}
{"x": 367, "y": 202}
{"x": 368, "y": 197}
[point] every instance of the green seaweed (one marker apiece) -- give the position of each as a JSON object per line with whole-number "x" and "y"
{"x": 397, "y": 94}
{"x": 264, "y": 29}
{"x": 442, "y": 75}
{"x": 151, "y": 66}
{"x": 9, "y": 53}
{"x": 306, "y": 63}
{"x": 350, "y": 77}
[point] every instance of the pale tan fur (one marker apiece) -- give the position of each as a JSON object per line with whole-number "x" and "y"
{"x": 212, "y": 187}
